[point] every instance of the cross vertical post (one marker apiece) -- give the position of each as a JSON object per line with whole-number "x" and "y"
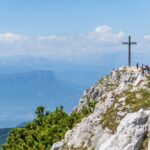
{"x": 129, "y": 55}
{"x": 129, "y": 43}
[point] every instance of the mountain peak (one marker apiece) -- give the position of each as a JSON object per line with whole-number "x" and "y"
{"x": 120, "y": 117}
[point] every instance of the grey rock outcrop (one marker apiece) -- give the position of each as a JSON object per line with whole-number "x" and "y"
{"x": 130, "y": 133}
{"x": 118, "y": 95}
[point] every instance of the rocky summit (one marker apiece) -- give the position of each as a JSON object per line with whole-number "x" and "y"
{"x": 120, "y": 114}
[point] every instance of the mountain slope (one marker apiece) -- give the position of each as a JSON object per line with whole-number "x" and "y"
{"x": 36, "y": 85}
{"x": 121, "y": 117}
{"x": 3, "y": 135}
{"x": 84, "y": 75}
{"x": 21, "y": 93}
{"x": 114, "y": 114}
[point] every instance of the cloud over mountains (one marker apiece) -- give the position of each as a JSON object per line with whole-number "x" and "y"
{"x": 11, "y": 37}
{"x": 101, "y": 40}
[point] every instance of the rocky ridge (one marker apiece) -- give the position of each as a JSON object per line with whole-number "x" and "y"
{"x": 120, "y": 119}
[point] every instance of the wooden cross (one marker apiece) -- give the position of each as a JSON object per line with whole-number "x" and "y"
{"x": 129, "y": 43}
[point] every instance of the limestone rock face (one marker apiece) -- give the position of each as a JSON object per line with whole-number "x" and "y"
{"x": 58, "y": 145}
{"x": 120, "y": 119}
{"x": 130, "y": 133}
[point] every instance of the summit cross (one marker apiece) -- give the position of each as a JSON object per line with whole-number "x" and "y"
{"x": 129, "y": 43}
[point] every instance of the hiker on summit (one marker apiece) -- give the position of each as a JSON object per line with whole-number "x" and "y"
{"x": 145, "y": 69}
{"x": 137, "y": 65}
{"x": 148, "y": 69}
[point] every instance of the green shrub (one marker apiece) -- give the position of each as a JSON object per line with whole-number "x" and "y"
{"x": 46, "y": 129}
{"x": 41, "y": 133}
{"x": 76, "y": 117}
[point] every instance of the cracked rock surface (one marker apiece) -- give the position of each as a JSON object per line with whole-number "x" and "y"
{"x": 121, "y": 117}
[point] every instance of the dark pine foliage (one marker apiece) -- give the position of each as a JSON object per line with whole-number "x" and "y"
{"x": 46, "y": 129}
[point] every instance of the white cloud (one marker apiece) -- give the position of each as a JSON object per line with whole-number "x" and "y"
{"x": 103, "y": 29}
{"x": 104, "y": 34}
{"x": 103, "y": 39}
{"x": 147, "y": 37}
{"x": 11, "y": 37}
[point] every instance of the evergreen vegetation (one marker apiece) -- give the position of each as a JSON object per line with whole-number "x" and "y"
{"x": 46, "y": 129}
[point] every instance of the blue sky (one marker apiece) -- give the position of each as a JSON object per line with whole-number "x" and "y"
{"x": 33, "y": 17}
{"x": 65, "y": 29}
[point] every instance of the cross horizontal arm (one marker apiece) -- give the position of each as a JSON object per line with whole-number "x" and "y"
{"x": 133, "y": 43}
{"x": 129, "y": 43}
{"x": 125, "y": 42}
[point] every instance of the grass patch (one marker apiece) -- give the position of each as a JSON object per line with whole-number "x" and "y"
{"x": 145, "y": 142}
{"x": 134, "y": 101}
{"x": 148, "y": 81}
{"x": 79, "y": 148}
{"x": 110, "y": 119}
{"x": 85, "y": 111}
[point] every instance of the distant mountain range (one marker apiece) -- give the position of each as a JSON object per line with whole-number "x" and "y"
{"x": 3, "y": 135}
{"x": 27, "y": 82}
{"x": 36, "y": 87}
{"x": 31, "y": 89}
{"x": 84, "y": 75}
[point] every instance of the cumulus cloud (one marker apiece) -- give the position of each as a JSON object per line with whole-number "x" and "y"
{"x": 105, "y": 34}
{"x": 92, "y": 44}
{"x": 102, "y": 39}
{"x": 103, "y": 29}
{"x": 11, "y": 37}
{"x": 102, "y": 34}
